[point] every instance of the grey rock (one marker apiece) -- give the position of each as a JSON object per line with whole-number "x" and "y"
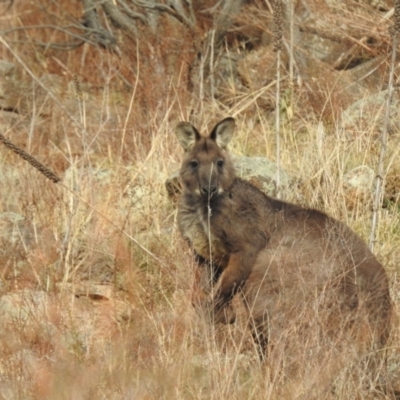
{"x": 6, "y": 68}
{"x": 16, "y": 238}
{"x": 263, "y": 173}
{"x": 9, "y": 86}
{"x": 15, "y": 230}
{"x": 23, "y": 307}
{"x": 70, "y": 319}
{"x": 258, "y": 170}
{"x": 361, "y": 178}
{"x": 358, "y": 186}
{"x": 358, "y": 115}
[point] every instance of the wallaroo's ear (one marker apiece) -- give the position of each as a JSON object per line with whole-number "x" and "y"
{"x": 223, "y": 132}
{"x": 187, "y": 135}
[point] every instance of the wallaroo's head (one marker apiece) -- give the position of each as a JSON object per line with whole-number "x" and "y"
{"x": 207, "y": 169}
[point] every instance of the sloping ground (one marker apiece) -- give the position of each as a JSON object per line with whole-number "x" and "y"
{"x": 95, "y": 280}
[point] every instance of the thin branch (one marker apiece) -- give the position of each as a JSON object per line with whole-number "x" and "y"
{"x": 381, "y": 172}
{"x": 62, "y": 46}
{"x": 64, "y": 29}
{"x": 191, "y": 11}
{"x": 132, "y": 14}
{"x": 177, "y": 5}
{"x": 100, "y": 35}
{"x": 66, "y": 46}
{"x": 119, "y": 19}
{"x": 277, "y": 6}
{"x": 191, "y": 24}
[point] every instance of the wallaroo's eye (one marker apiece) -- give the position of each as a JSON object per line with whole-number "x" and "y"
{"x": 194, "y": 164}
{"x": 220, "y": 163}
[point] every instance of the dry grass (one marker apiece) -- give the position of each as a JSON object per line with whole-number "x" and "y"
{"x": 116, "y": 321}
{"x": 95, "y": 280}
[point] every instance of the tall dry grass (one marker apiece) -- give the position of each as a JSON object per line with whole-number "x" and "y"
{"x": 109, "y": 224}
{"x": 100, "y": 277}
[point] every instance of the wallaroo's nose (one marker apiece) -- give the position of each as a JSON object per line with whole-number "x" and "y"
{"x": 209, "y": 190}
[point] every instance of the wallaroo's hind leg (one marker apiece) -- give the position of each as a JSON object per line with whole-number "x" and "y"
{"x": 232, "y": 279}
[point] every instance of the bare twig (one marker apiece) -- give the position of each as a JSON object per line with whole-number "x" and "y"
{"x": 212, "y": 83}
{"x": 65, "y": 46}
{"x": 179, "y": 15}
{"x": 381, "y": 172}
{"x": 100, "y": 35}
{"x": 64, "y": 29}
{"x": 119, "y": 19}
{"x": 131, "y": 13}
{"x": 291, "y": 48}
{"x": 278, "y": 30}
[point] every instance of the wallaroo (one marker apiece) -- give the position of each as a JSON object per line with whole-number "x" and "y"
{"x": 291, "y": 265}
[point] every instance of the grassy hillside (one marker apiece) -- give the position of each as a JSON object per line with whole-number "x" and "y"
{"x": 95, "y": 279}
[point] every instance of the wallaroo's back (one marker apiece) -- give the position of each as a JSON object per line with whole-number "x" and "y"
{"x": 294, "y": 266}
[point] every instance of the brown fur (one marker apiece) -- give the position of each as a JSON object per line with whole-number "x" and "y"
{"x": 288, "y": 262}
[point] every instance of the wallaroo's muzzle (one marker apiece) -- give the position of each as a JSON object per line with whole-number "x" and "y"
{"x": 209, "y": 190}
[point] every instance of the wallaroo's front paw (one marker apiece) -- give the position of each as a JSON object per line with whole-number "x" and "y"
{"x": 225, "y": 315}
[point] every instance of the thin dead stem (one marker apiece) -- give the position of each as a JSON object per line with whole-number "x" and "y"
{"x": 278, "y": 29}
{"x": 378, "y": 197}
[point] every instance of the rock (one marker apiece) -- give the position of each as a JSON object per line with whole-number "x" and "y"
{"x": 16, "y": 240}
{"x": 27, "y": 363}
{"x": 17, "y": 94}
{"x": 8, "y": 119}
{"x": 8, "y": 88}
{"x": 358, "y": 115}
{"x": 89, "y": 289}
{"x": 219, "y": 82}
{"x": 6, "y": 68}
{"x": 322, "y": 48}
{"x": 258, "y": 68}
{"x": 107, "y": 199}
{"x": 360, "y": 178}
{"x": 358, "y": 186}
{"x": 31, "y": 317}
{"x": 17, "y": 128}
{"x": 332, "y": 68}
{"x": 137, "y": 195}
{"x": 21, "y": 307}
{"x": 260, "y": 171}
{"x": 392, "y": 187}
{"x": 328, "y": 91}
{"x": 15, "y": 229}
